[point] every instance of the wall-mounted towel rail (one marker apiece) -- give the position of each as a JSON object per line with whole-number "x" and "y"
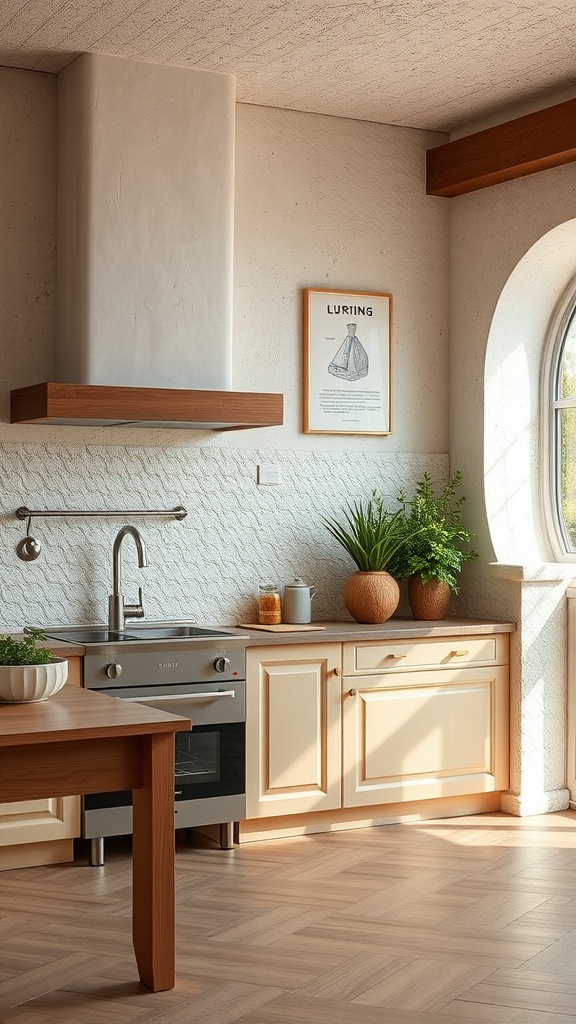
{"x": 29, "y": 549}
{"x": 27, "y": 513}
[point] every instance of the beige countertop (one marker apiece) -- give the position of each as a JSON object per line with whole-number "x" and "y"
{"x": 340, "y": 632}
{"x": 393, "y": 629}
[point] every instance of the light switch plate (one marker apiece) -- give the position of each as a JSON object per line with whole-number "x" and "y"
{"x": 268, "y": 474}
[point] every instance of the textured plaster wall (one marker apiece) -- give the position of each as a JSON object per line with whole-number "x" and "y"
{"x": 319, "y": 202}
{"x": 206, "y": 566}
{"x": 326, "y": 202}
{"x": 507, "y": 269}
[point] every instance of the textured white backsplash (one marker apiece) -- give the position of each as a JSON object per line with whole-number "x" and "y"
{"x": 207, "y": 566}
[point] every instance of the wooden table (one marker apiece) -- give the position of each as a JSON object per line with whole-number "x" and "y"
{"x": 80, "y": 741}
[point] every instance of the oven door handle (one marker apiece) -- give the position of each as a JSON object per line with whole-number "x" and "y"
{"x": 212, "y": 695}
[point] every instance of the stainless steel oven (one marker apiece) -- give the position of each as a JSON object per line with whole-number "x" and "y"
{"x": 209, "y": 782}
{"x": 200, "y": 675}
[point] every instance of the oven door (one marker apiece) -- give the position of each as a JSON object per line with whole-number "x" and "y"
{"x": 210, "y": 759}
{"x": 209, "y": 774}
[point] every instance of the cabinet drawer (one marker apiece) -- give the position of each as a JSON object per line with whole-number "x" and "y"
{"x": 401, "y": 655}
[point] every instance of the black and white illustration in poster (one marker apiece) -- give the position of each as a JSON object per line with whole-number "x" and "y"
{"x": 347, "y": 350}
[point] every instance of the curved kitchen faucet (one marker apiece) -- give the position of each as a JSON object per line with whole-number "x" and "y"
{"x": 118, "y": 612}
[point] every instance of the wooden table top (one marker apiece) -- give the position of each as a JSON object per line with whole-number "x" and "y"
{"x": 75, "y": 713}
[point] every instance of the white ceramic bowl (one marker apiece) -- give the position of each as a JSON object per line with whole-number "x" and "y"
{"x": 28, "y": 684}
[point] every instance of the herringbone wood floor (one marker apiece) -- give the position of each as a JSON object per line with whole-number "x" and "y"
{"x": 468, "y": 920}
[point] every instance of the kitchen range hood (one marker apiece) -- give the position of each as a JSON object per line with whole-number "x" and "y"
{"x": 145, "y": 220}
{"x": 97, "y": 405}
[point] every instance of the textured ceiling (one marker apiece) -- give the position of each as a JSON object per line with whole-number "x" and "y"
{"x": 424, "y": 63}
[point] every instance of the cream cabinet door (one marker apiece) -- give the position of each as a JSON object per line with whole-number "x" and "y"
{"x": 293, "y": 743}
{"x": 421, "y": 735}
{"x": 39, "y": 821}
{"x": 43, "y": 821}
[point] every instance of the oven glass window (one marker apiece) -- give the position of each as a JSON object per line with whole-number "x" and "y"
{"x": 197, "y": 758}
{"x": 210, "y": 761}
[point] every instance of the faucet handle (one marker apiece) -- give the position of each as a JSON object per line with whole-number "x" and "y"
{"x": 135, "y": 611}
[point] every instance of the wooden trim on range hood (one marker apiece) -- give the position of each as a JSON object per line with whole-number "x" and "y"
{"x": 546, "y": 138}
{"x": 97, "y": 405}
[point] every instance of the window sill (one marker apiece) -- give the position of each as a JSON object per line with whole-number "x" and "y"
{"x": 536, "y": 572}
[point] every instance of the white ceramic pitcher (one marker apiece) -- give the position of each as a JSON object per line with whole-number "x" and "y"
{"x": 297, "y": 603}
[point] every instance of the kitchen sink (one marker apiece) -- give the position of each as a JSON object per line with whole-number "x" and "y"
{"x": 98, "y": 633}
{"x": 88, "y": 635}
{"x": 153, "y": 631}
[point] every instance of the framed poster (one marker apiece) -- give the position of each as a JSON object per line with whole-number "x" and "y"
{"x": 347, "y": 362}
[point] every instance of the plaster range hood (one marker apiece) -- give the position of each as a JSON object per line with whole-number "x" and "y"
{"x": 145, "y": 212}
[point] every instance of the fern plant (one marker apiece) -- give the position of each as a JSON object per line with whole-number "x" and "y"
{"x": 436, "y": 542}
{"x": 24, "y": 652}
{"x": 370, "y": 534}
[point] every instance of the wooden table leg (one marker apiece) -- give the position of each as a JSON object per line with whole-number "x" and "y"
{"x": 153, "y": 865}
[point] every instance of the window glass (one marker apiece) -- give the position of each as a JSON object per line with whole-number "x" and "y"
{"x": 568, "y": 362}
{"x": 560, "y": 367}
{"x": 567, "y": 473}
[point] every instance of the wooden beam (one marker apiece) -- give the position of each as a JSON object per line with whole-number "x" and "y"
{"x": 535, "y": 142}
{"x": 90, "y": 404}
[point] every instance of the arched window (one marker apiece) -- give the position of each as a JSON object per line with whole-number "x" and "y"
{"x": 560, "y": 435}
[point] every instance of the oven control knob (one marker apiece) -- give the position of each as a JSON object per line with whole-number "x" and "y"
{"x": 222, "y": 664}
{"x": 113, "y": 670}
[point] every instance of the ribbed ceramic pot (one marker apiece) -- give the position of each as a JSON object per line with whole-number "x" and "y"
{"x": 430, "y": 600}
{"x": 29, "y": 684}
{"x": 371, "y": 596}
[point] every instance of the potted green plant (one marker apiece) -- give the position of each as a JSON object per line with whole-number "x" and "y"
{"x": 29, "y": 673}
{"x": 435, "y": 546}
{"x": 372, "y": 536}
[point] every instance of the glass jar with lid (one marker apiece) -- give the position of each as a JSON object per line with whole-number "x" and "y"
{"x": 269, "y": 605}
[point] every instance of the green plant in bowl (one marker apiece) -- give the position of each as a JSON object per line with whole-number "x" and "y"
{"x": 24, "y": 652}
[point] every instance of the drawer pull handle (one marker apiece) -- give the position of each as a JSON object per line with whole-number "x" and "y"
{"x": 458, "y": 654}
{"x": 353, "y": 692}
{"x": 335, "y": 672}
{"x": 211, "y": 695}
{"x": 396, "y": 657}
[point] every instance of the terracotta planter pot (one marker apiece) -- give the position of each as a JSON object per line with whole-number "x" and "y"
{"x": 371, "y": 596}
{"x": 429, "y": 600}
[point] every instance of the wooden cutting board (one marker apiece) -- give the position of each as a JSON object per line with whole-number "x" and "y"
{"x": 281, "y": 628}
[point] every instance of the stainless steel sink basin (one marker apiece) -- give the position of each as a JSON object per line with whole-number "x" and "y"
{"x": 98, "y": 633}
{"x": 156, "y": 632}
{"x": 85, "y": 634}
{"x": 96, "y": 636}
